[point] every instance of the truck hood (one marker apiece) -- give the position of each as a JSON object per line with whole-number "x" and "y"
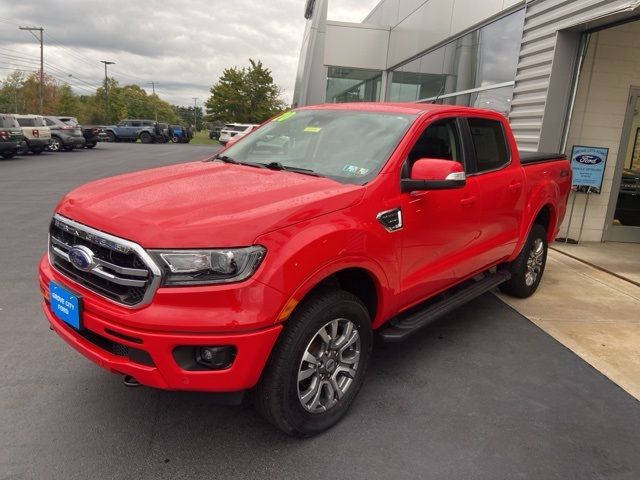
{"x": 203, "y": 204}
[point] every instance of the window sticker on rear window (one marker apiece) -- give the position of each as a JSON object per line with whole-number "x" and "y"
{"x": 284, "y": 116}
{"x": 312, "y": 129}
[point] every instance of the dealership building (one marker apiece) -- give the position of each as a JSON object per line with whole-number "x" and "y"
{"x": 565, "y": 72}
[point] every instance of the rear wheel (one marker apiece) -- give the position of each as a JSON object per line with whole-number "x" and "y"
{"x": 145, "y": 137}
{"x": 528, "y": 267}
{"x": 8, "y": 155}
{"x": 90, "y": 145}
{"x": 318, "y": 365}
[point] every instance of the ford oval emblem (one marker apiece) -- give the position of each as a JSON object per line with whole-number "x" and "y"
{"x": 588, "y": 159}
{"x": 81, "y": 257}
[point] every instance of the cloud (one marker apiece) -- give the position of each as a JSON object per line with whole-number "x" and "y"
{"x": 182, "y": 46}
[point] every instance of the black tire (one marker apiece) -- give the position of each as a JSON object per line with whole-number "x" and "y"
{"x": 55, "y": 145}
{"x": 8, "y": 155}
{"x": 524, "y": 281}
{"x": 112, "y": 137}
{"x": 145, "y": 137}
{"x": 276, "y": 396}
{"x": 90, "y": 145}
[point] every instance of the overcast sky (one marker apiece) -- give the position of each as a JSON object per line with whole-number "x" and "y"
{"x": 183, "y": 46}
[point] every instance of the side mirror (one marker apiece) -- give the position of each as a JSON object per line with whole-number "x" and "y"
{"x": 434, "y": 174}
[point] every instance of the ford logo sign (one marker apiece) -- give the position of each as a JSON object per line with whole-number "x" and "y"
{"x": 588, "y": 159}
{"x": 81, "y": 257}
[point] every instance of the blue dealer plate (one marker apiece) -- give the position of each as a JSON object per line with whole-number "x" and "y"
{"x": 65, "y": 305}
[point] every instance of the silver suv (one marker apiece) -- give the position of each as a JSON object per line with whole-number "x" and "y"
{"x": 66, "y": 133}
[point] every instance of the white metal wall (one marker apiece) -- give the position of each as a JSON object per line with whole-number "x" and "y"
{"x": 544, "y": 18}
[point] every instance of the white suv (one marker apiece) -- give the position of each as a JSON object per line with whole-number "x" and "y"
{"x": 232, "y": 130}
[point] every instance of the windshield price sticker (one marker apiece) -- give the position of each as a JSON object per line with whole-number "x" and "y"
{"x": 588, "y": 165}
{"x": 284, "y": 116}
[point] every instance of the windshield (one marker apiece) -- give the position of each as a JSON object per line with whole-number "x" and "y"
{"x": 347, "y": 146}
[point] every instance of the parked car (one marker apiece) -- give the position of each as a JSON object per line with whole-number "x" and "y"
{"x": 37, "y": 135}
{"x": 268, "y": 269}
{"x": 66, "y": 133}
{"x": 92, "y": 135}
{"x": 162, "y": 132}
{"x": 241, "y": 135}
{"x": 179, "y": 134}
{"x": 11, "y": 138}
{"x": 628, "y": 205}
{"x": 214, "y": 133}
{"x": 130, "y": 130}
{"x": 231, "y": 130}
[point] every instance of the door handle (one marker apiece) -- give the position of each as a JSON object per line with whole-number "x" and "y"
{"x": 468, "y": 201}
{"x": 515, "y": 187}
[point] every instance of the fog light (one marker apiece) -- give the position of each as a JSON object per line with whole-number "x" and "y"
{"x": 215, "y": 358}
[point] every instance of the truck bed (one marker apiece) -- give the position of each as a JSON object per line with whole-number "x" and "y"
{"x": 527, "y": 158}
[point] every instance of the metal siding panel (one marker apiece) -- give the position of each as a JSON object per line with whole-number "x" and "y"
{"x": 543, "y": 20}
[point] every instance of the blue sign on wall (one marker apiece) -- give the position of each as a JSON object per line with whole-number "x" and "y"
{"x": 587, "y": 166}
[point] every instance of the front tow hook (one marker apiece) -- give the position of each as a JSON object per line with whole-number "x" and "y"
{"x": 129, "y": 381}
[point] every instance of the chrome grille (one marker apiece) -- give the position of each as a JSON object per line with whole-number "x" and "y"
{"x": 121, "y": 271}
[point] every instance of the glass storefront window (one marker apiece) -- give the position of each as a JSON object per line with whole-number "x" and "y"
{"x": 353, "y": 85}
{"x": 480, "y": 59}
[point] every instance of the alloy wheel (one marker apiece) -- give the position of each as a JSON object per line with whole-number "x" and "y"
{"x": 534, "y": 262}
{"x": 329, "y": 365}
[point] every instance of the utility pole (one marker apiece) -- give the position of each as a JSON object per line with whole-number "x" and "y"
{"x": 106, "y": 87}
{"x": 41, "y": 30}
{"x": 155, "y": 105}
{"x": 195, "y": 113}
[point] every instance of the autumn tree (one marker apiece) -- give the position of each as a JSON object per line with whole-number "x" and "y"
{"x": 245, "y": 95}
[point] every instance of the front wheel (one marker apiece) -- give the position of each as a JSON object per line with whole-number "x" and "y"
{"x": 318, "y": 365}
{"x": 90, "y": 145}
{"x": 111, "y": 137}
{"x": 528, "y": 267}
{"x": 55, "y": 145}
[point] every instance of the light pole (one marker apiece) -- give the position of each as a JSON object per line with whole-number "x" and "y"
{"x": 41, "y": 30}
{"x": 106, "y": 87}
{"x": 195, "y": 113}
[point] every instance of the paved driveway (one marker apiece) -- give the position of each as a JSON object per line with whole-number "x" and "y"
{"x": 482, "y": 394}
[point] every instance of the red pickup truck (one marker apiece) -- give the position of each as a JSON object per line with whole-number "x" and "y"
{"x": 268, "y": 267}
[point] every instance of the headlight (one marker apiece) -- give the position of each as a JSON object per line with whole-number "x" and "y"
{"x": 204, "y": 267}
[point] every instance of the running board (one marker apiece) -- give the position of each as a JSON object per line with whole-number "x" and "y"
{"x": 401, "y": 327}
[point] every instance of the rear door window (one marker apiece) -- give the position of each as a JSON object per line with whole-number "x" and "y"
{"x": 489, "y": 143}
{"x": 135, "y": 124}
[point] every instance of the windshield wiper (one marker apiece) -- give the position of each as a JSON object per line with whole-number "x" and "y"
{"x": 225, "y": 159}
{"x": 279, "y": 166}
{"x": 228, "y": 159}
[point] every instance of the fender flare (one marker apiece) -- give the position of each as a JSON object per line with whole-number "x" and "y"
{"x": 323, "y": 272}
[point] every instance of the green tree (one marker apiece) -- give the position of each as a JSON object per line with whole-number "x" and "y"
{"x": 186, "y": 115}
{"x": 11, "y": 92}
{"x": 68, "y": 103}
{"x": 245, "y": 95}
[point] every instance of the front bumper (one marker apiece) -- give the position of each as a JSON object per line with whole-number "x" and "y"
{"x": 110, "y": 340}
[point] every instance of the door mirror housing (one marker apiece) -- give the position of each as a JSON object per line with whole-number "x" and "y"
{"x": 434, "y": 174}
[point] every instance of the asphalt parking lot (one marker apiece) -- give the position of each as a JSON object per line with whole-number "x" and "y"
{"x": 482, "y": 394}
